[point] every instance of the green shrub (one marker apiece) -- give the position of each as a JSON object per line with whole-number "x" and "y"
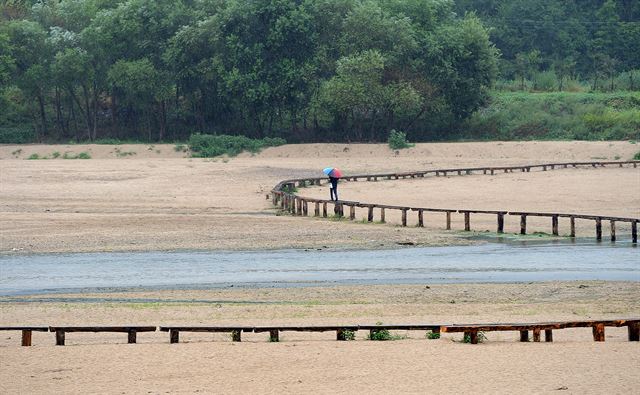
{"x": 398, "y": 140}
{"x": 636, "y": 156}
{"x": 17, "y": 135}
{"x": 348, "y": 335}
{"x": 207, "y": 146}
{"x": 55, "y": 154}
{"x": 383, "y": 334}
{"x": 481, "y": 338}
{"x": 84, "y": 155}
{"x": 34, "y": 157}
{"x": 433, "y": 335}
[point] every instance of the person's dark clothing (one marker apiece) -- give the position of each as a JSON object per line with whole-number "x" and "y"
{"x": 334, "y": 188}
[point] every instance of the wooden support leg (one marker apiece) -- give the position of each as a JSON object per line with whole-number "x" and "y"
{"x": 26, "y": 338}
{"x": 324, "y": 209}
{"x": 598, "y": 333}
{"x": 473, "y": 335}
{"x": 174, "y": 336}
{"x": 305, "y": 208}
{"x": 536, "y": 335}
{"x": 370, "y": 214}
{"x": 548, "y": 335}
{"x": 404, "y": 217}
{"x": 316, "y": 211}
{"x": 467, "y": 221}
{"x": 524, "y": 336}
{"x": 634, "y": 232}
{"x": 448, "y": 220}
{"x": 523, "y": 224}
{"x": 572, "y": 221}
{"x": 634, "y": 332}
{"x": 613, "y": 231}
{"x": 500, "y": 223}
{"x": 554, "y": 225}
{"x": 382, "y": 219}
{"x": 236, "y": 336}
{"x": 131, "y": 336}
{"x": 491, "y": 171}
{"x": 352, "y": 212}
{"x": 420, "y": 218}
{"x": 274, "y": 335}
{"x": 59, "y": 338}
{"x": 599, "y": 229}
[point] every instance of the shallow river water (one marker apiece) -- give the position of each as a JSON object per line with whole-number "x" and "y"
{"x": 487, "y": 262}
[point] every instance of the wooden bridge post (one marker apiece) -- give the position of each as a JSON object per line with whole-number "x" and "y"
{"x": 536, "y": 335}
{"x": 473, "y": 336}
{"x": 500, "y": 222}
{"x": 523, "y": 224}
{"x": 491, "y": 171}
{"x": 305, "y": 209}
{"x": 633, "y": 330}
{"x": 382, "y": 218}
{"x": 554, "y": 225}
{"x": 174, "y": 336}
{"x": 613, "y": 230}
{"x": 524, "y": 336}
{"x": 26, "y": 337}
{"x": 236, "y": 335}
{"x": 131, "y": 336}
{"x": 467, "y": 221}
{"x": 59, "y": 338}
{"x": 404, "y": 217}
{"x": 420, "y": 218}
{"x": 352, "y": 212}
{"x": 316, "y": 211}
{"x": 370, "y": 214}
{"x": 572, "y": 221}
{"x": 598, "y": 333}
{"x": 548, "y": 335}
{"x": 598, "y": 229}
{"x": 324, "y": 209}
{"x": 300, "y": 203}
{"x": 448, "y": 220}
{"x": 634, "y": 232}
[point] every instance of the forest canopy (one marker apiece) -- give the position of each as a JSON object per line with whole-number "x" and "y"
{"x": 303, "y": 70}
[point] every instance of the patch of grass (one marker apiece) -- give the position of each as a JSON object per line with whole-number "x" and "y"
{"x": 636, "y": 156}
{"x": 481, "y": 338}
{"x": 617, "y": 157}
{"x": 122, "y": 154}
{"x": 81, "y": 155}
{"x": 207, "y": 146}
{"x": 34, "y": 157}
{"x": 289, "y": 189}
{"x": 180, "y": 148}
{"x": 55, "y": 154}
{"x": 17, "y": 152}
{"x": 383, "y": 334}
{"x": 432, "y": 335}
{"x": 348, "y": 335}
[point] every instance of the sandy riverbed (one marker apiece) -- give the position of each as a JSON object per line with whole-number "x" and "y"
{"x": 157, "y": 199}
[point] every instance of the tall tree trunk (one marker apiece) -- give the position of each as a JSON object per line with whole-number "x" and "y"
{"x": 43, "y": 115}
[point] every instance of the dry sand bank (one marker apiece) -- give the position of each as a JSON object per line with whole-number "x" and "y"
{"x": 159, "y": 200}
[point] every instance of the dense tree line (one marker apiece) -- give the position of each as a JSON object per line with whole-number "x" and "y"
{"x": 305, "y": 70}
{"x": 300, "y": 69}
{"x": 589, "y": 40}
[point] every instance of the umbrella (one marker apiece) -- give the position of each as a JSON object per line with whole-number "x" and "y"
{"x": 332, "y": 172}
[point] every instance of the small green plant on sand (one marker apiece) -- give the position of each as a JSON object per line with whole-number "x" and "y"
{"x": 348, "y": 335}
{"x": 481, "y": 338}
{"x": 55, "y": 154}
{"x": 34, "y": 157}
{"x": 636, "y": 156}
{"x": 180, "y": 148}
{"x": 433, "y": 335}
{"x": 274, "y": 339}
{"x": 17, "y": 152}
{"x": 383, "y": 334}
{"x": 398, "y": 140}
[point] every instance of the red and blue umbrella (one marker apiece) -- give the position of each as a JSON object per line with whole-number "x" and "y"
{"x": 332, "y": 172}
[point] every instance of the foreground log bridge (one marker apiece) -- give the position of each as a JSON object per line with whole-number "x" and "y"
{"x": 283, "y": 195}
{"x": 346, "y": 332}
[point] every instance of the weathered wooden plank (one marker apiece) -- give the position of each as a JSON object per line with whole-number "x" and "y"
{"x": 536, "y": 335}
{"x": 102, "y": 328}
{"x": 548, "y": 335}
{"x": 23, "y": 328}
{"x": 524, "y": 336}
{"x": 174, "y": 336}
{"x": 59, "y": 338}
{"x": 598, "y": 333}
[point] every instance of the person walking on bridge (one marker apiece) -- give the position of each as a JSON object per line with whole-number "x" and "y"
{"x": 334, "y": 175}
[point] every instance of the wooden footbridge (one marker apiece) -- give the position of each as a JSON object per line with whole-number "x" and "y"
{"x": 282, "y": 195}
{"x": 345, "y": 332}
